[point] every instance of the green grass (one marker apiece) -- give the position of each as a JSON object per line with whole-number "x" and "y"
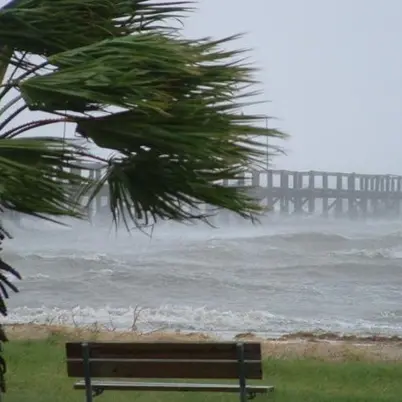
{"x": 37, "y": 372}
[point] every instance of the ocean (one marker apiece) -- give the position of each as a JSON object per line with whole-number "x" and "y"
{"x": 281, "y": 276}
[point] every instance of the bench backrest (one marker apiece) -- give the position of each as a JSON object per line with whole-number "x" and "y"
{"x": 165, "y": 360}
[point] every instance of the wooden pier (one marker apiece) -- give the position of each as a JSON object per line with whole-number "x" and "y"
{"x": 328, "y": 193}
{"x": 315, "y": 192}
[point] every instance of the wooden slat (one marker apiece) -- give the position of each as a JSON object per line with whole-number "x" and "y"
{"x": 166, "y": 386}
{"x": 165, "y": 350}
{"x": 126, "y": 368}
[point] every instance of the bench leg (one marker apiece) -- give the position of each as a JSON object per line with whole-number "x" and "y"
{"x": 87, "y": 372}
{"x": 242, "y": 372}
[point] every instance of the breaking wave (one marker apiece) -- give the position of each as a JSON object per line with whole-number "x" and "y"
{"x": 271, "y": 279}
{"x": 187, "y": 319}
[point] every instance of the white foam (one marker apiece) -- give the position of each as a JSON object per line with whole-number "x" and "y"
{"x": 35, "y": 277}
{"x": 304, "y": 244}
{"x": 213, "y": 321}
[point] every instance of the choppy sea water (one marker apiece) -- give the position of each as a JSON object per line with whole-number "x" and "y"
{"x": 279, "y": 277}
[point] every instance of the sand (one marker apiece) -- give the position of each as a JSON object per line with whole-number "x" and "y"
{"x": 301, "y": 345}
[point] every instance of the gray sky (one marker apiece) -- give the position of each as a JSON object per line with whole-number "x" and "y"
{"x": 332, "y": 71}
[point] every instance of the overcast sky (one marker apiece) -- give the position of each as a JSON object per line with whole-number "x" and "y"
{"x": 332, "y": 71}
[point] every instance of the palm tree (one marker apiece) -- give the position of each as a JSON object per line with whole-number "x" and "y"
{"x": 124, "y": 77}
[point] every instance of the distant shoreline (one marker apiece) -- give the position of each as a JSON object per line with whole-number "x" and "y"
{"x": 327, "y": 346}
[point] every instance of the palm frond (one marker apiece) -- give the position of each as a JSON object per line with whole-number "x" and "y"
{"x": 160, "y": 187}
{"x": 46, "y": 27}
{"x": 180, "y": 133}
{"x": 5, "y": 272}
{"x": 37, "y": 177}
{"x": 104, "y": 73}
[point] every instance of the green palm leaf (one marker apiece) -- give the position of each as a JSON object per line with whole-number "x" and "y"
{"x": 123, "y": 75}
{"x": 46, "y": 27}
{"x": 169, "y": 107}
{"x": 35, "y": 175}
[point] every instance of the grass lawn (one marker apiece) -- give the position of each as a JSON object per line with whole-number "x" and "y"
{"x": 37, "y": 372}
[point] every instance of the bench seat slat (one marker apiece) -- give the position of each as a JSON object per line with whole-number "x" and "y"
{"x": 167, "y": 386}
{"x": 162, "y": 361}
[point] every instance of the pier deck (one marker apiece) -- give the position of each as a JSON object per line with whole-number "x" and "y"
{"x": 317, "y": 192}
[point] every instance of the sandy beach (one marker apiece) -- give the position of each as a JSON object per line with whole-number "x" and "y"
{"x": 299, "y": 345}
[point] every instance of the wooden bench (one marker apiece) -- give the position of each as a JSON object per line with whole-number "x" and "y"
{"x": 112, "y": 362}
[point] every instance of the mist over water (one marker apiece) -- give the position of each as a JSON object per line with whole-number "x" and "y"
{"x": 282, "y": 276}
